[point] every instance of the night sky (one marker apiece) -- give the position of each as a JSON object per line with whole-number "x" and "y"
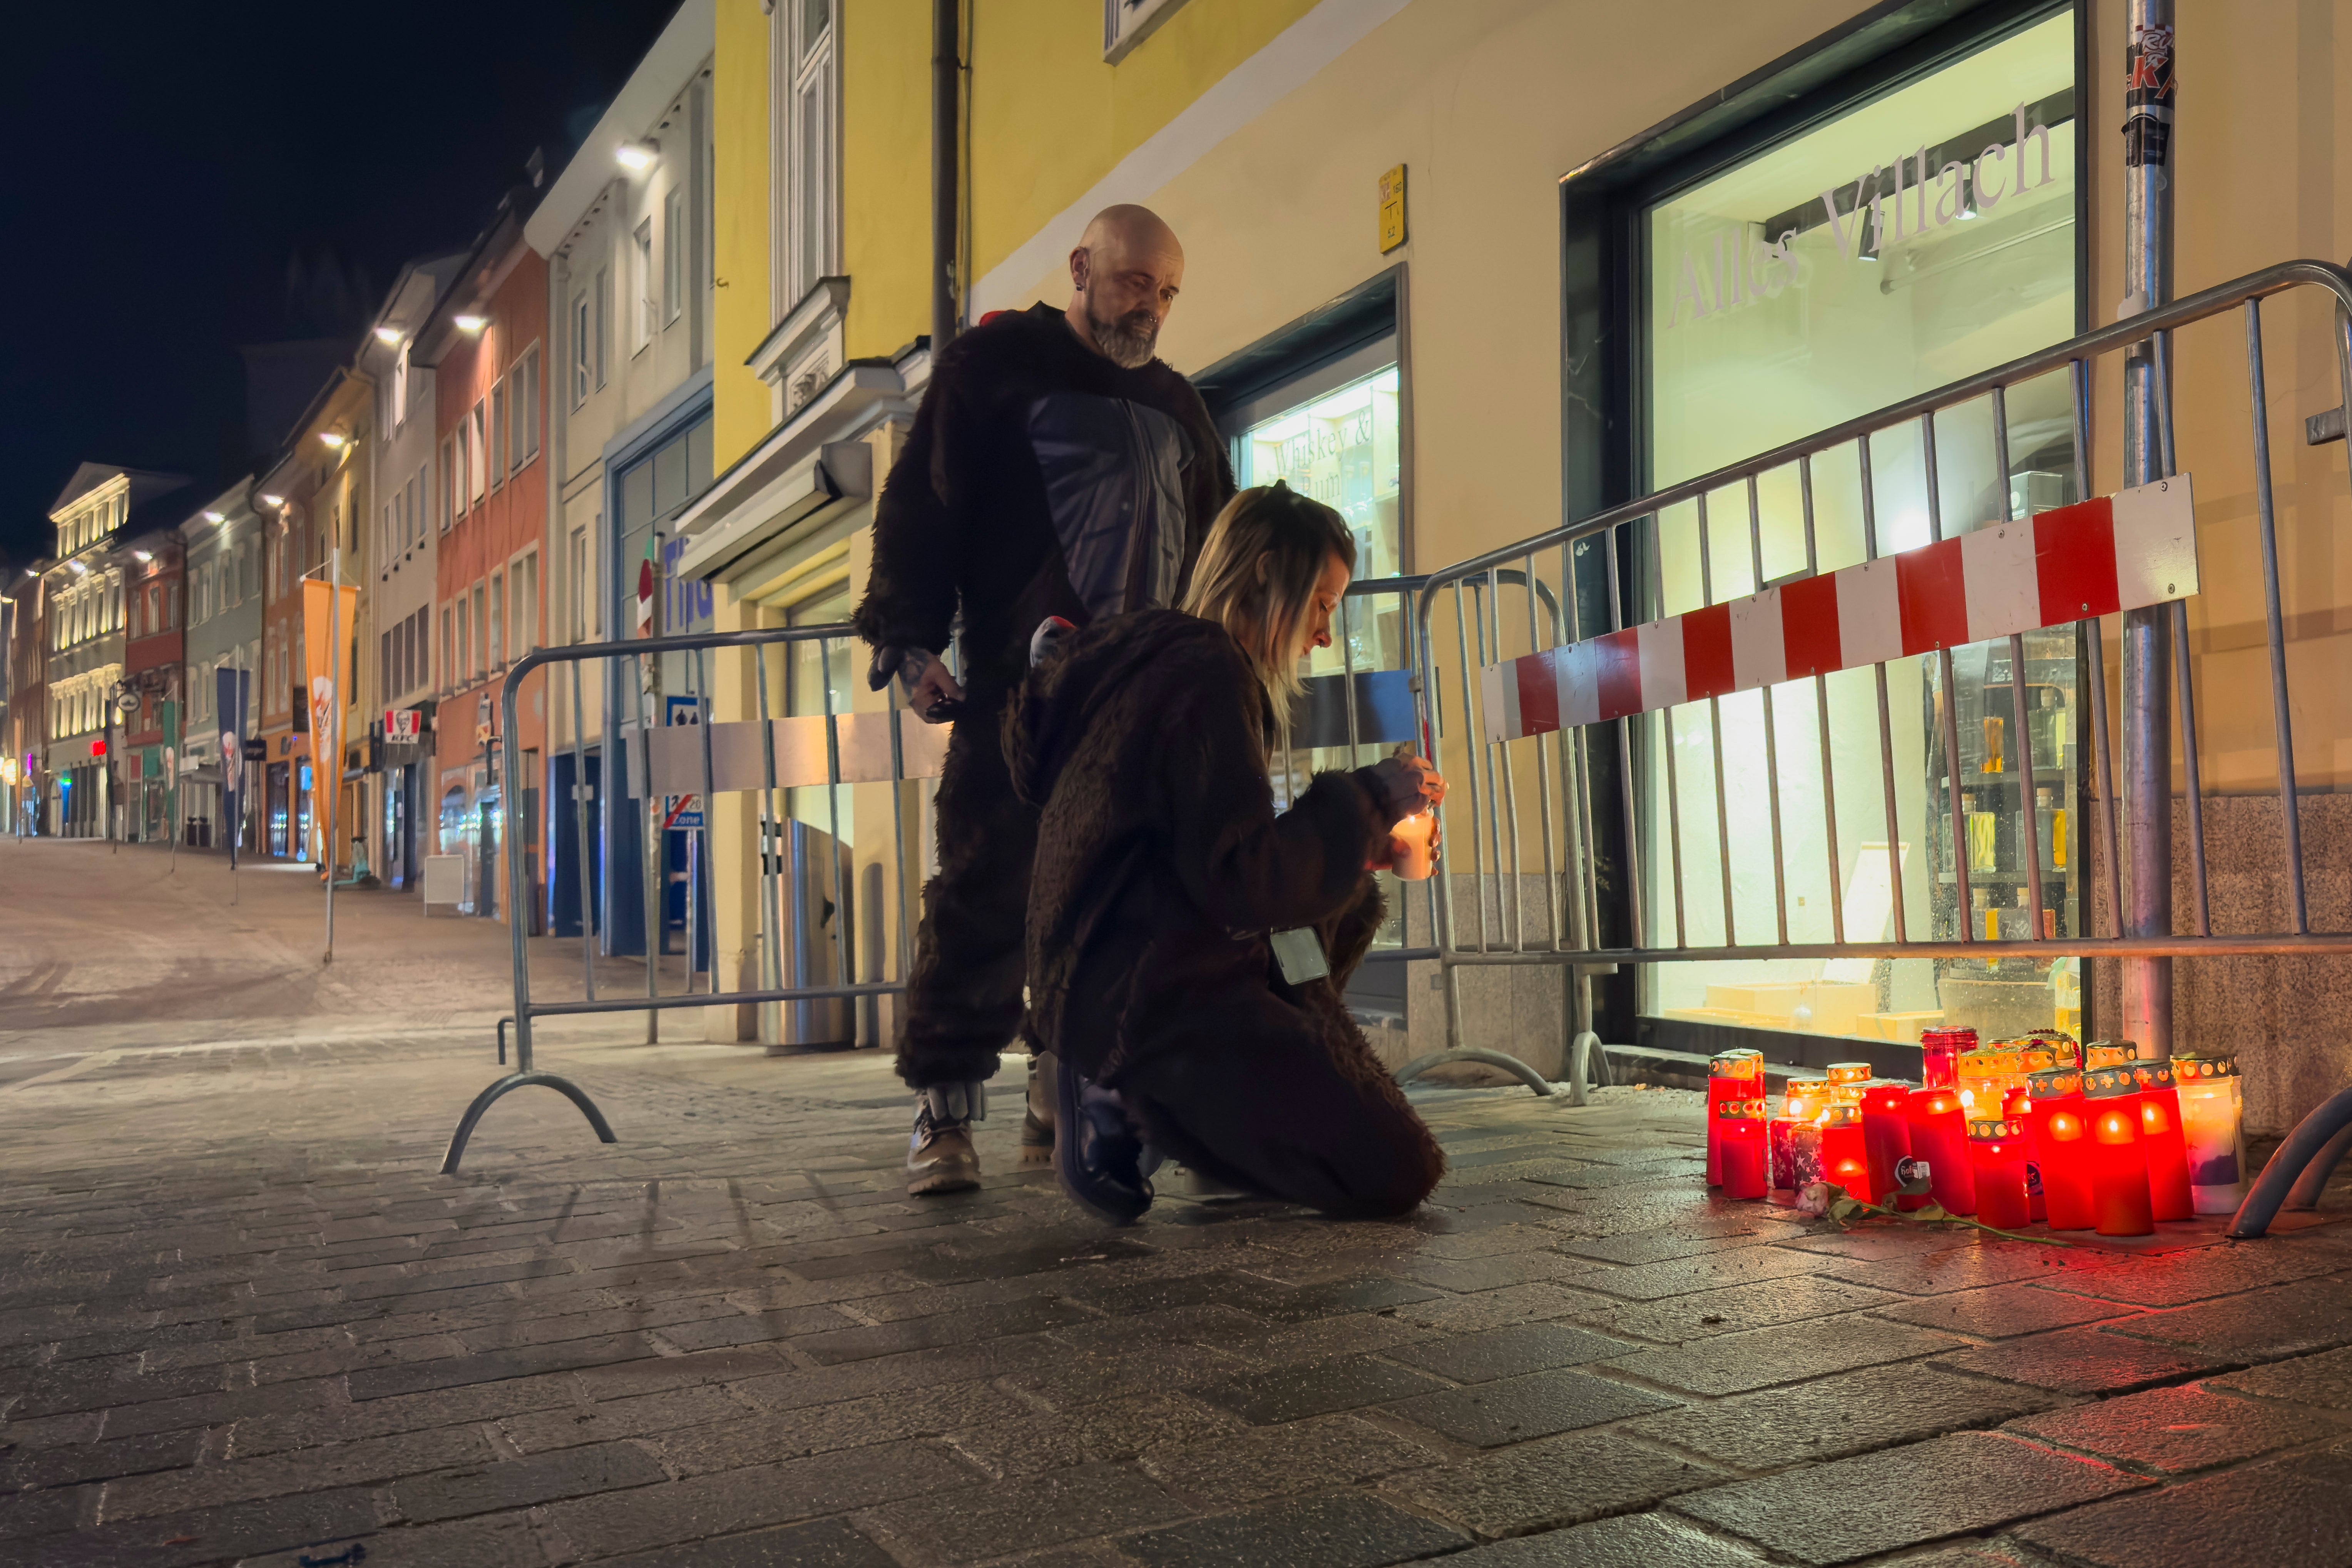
{"x": 190, "y": 178}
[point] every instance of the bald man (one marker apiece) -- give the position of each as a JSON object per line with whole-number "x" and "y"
{"x": 1055, "y": 468}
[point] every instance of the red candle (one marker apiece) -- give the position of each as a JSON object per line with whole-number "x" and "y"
{"x": 1939, "y": 1135}
{"x": 1940, "y": 1053}
{"x": 1844, "y": 1083}
{"x": 1885, "y": 1139}
{"x": 2118, "y": 1162}
{"x": 1741, "y": 1143}
{"x": 2017, "y": 1107}
{"x": 1997, "y": 1164}
{"x": 1732, "y": 1075}
{"x": 2166, "y": 1148}
{"x": 1845, "y": 1154}
{"x": 1782, "y": 1134}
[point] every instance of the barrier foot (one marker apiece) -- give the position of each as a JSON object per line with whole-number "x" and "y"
{"x": 1586, "y": 1055}
{"x": 2311, "y": 1142}
{"x": 2307, "y": 1186}
{"x": 513, "y": 1080}
{"x": 502, "y": 1038}
{"x": 1510, "y": 1064}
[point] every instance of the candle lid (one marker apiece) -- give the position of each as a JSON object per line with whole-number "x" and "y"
{"x": 1741, "y": 1111}
{"x": 1848, "y": 1072}
{"x": 2054, "y": 1084}
{"x": 1995, "y": 1129}
{"x": 1842, "y": 1116}
{"x": 2110, "y": 1082}
{"x": 2190, "y": 1069}
{"x": 2153, "y": 1075}
{"x": 2109, "y": 1052}
{"x": 1807, "y": 1091}
{"x": 1741, "y": 1062}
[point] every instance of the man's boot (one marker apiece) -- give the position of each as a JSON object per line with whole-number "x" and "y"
{"x": 940, "y": 1155}
{"x": 1037, "y": 1119}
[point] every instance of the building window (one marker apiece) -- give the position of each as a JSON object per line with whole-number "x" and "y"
{"x": 400, "y": 387}
{"x": 583, "y": 365}
{"x": 604, "y": 302}
{"x": 448, "y": 647}
{"x": 811, "y": 162}
{"x": 641, "y": 283}
{"x": 481, "y": 631}
{"x": 676, "y": 234}
{"x": 500, "y": 445}
{"x": 1126, "y": 23}
{"x": 1340, "y": 445}
{"x": 526, "y": 401}
{"x": 498, "y": 642}
{"x": 477, "y": 457}
{"x": 522, "y": 624}
{"x": 450, "y": 495}
{"x": 582, "y": 587}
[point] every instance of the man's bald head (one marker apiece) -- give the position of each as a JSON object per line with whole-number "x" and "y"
{"x": 1124, "y": 276}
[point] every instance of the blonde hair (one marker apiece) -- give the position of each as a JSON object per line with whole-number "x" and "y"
{"x": 1257, "y": 575}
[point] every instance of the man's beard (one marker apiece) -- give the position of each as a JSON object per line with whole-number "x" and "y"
{"x": 1126, "y": 341}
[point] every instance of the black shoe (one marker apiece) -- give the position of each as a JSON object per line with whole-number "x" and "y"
{"x": 1038, "y": 1117}
{"x": 1097, "y": 1153}
{"x": 940, "y": 1155}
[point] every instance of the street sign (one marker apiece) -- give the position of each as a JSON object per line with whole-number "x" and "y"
{"x": 126, "y": 702}
{"x": 257, "y": 750}
{"x": 682, "y": 811}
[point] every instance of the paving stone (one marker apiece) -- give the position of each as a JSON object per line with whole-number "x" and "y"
{"x": 1628, "y": 1541}
{"x": 2172, "y": 1431}
{"x": 1735, "y": 1363}
{"x": 278, "y": 1431}
{"x": 2263, "y": 1325}
{"x": 2002, "y": 1311}
{"x": 1686, "y": 1240}
{"x": 1856, "y": 1507}
{"x": 1104, "y": 1433}
{"x": 2324, "y": 1379}
{"x": 1293, "y": 1393}
{"x": 1551, "y": 1482}
{"x": 27, "y": 1467}
{"x": 827, "y": 1544}
{"x": 2081, "y": 1361}
{"x": 924, "y": 1334}
{"x": 1508, "y": 1352}
{"x": 1272, "y": 1461}
{"x": 1492, "y": 1309}
{"x": 1320, "y": 1339}
{"x": 1590, "y": 1179}
{"x": 2176, "y": 1279}
{"x": 2291, "y": 1511}
{"x": 212, "y": 1409}
{"x": 34, "y": 1514}
{"x": 519, "y": 1483}
{"x": 1027, "y": 1515}
{"x": 1493, "y": 1271}
{"x": 569, "y": 1426}
{"x": 1794, "y": 1298}
{"x": 1707, "y": 1271}
{"x": 310, "y": 1470}
{"x": 1515, "y": 1409}
{"x": 1830, "y": 1418}
{"x": 1967, "y": 1265}
{"x": 415, "y": 1377}
{"x": 1069, "y": 1381}
{"x": 733, "y": 1501}
{"x": 507, "y": 1541}
{"x": 221, "y": 1535}
{"x": 1348, "y": 1530}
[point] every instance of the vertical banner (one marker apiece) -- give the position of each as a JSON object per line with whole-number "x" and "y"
{"x": 330, "y": 677}
{"x": 230, "y": 691}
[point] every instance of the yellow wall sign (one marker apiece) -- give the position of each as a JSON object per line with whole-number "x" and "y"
{"x": 1392, "y": 209}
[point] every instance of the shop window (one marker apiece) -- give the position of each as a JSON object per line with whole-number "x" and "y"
{"x": 1886, "y": 234}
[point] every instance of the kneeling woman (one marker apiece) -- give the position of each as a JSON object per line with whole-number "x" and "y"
{"x": 1187, "y": 945}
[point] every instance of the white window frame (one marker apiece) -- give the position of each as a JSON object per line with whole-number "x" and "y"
{"x": 582, "y": 323}
{"x": 677, "y": 268}
{"x": 524, "y": 448}
{"x": 802, "y": 67}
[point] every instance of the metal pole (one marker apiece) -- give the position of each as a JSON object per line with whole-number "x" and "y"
{"x": 582, "y": 878}
{"x": 331, "y": 775}
{"x": 2146, "y": 633}
{"x": 946, "y": 29}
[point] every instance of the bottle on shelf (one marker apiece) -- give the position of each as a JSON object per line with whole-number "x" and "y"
{"x": 1994, "y": 757}
{"x": 2046, "y": 733}
{"x": 2049, "y": 828}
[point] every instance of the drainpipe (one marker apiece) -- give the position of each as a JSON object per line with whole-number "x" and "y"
{"x": 946, "y": 36}
{"x": 2147, "y": 987}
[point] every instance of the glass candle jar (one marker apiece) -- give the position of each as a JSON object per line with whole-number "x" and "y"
{"x": 1997, "y": 1164}
{"x": 2062, "y": 1148}
{"x": 1939, "y": 1135}
{"x": 1742, "y": 1143}
{"x": 1842, "y": 1155}
{"x": 1416, "y": 839}
{"x": 1730, "y": 1075}
{"x": 1885, "y": 1141}
{"x": 2160, "y": 1139}
{"x": 1845, "y": 1081}
{"x": 1804, "y": 1100}
{"x": 2213, "y": 1129}
{"x": 2109, "y": 1054}
{"x": 1939, "y": 1050}
{"x": 2017, "y": 1109}
{"x": 2118, "y": 1164}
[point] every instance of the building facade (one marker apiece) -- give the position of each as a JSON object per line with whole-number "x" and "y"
{"x": 154, "y": 592}
{"x": 223, "y": 542}
{"x": 487, "y": 343}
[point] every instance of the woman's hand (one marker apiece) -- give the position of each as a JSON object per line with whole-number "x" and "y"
{"x": 1408, "y": 785}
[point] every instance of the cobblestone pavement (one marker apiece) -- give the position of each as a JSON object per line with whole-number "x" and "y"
{"x": 244, "y": 1319}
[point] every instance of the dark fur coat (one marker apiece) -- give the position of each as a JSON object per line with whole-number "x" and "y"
{"x": 1162, "y": 865}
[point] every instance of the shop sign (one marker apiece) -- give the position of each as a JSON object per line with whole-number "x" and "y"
{"x": 682, "y": 810}
{"x": 1392, "y": 209}
{"x": 403, "y": 723}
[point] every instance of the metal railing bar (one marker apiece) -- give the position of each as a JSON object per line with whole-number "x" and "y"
{"x": 698, "y": 870}
{"x": 845, "y": 938}
{"x": 1541, "y": 642}
{"x": 2187, "y": 946}
{"x": 1513, "y": 914}
{"x": 1473, "y": 741}
{"x": 2290, "y": 813}
{"x": 1821, "y": 720}
{"x": 2095, "y": 640}
{"x": 2026, "y": 807}
{"x": 773, "y": 838}
{"x": 1666, "y": 730}
{"x": 584, "y": 879}
{"x": 1948, "y": 696}
{"x": 1633, "y": 900}
{"x": 1715, "y": 732}
{"x": 1771, "y": 742}
{"x": 1886, "y": 718}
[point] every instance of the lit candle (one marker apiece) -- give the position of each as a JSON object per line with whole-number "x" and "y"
{"x": 1731, "y": 1075}
{"x": 1939, "y": 1050}
{"x": 2017, "y": 1108}
{"x": 1997, "y": 1165}
{"x": 2109, "y": 1054}
{"x": 2167, "y": 1153}
{"x": 2213, "y": 1127}
{"x": 1939, "y": 1135}
{"x": 1415, "y": 839}
{"x": 2062, "y": 1148}
{"x": 1798, "y": 1108}
{"x": 1742, "y": 1145}
{"x": 1885, "y": 1139}
{"x": 1844, "y": 1155}
{"x": 2118, "y": 1164}
{"x": 1845, "y": 1081}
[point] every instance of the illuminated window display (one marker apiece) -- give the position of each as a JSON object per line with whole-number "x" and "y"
{"x": 1914, "y": 239}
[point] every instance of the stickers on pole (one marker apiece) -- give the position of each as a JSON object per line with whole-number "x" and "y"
{"x": 2111, "y": 553}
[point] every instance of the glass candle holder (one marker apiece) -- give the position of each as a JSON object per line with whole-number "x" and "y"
{"x": 2109, "y": 1054}
{"x": 1799, "y": 1107}
{"x": 1742, "y": 1143}
{"x": 2118, "y": 1164}
{"x": 1885, "y": 1140}
{"x": 1845, "y": 1081}
{"x": 1939, "y": 1135}
{"x": 1939, "y": 1050}
{"x": 2062, "y": 1148}
{"x": 1730, "y": 1075}
{"x": 2213, "y": 1129}
{"x": 1997, "y": 1165}
{"x": 1416, "y": 839}
{"x": 1842, "y": 1154}
{"x": 2169, "y": 1197}
{"x": 2017, "y": 1107}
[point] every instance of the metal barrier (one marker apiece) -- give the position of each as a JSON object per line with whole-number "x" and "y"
{"x": 1353, "y": 711}
{"x": 1546, "y": 907}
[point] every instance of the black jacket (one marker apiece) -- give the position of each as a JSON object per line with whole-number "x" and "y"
{"x": 1162, "y": 865}
{"x": 1040, "y": 479}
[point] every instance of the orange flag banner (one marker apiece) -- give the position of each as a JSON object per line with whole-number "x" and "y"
{"x": 329, "y": 671}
